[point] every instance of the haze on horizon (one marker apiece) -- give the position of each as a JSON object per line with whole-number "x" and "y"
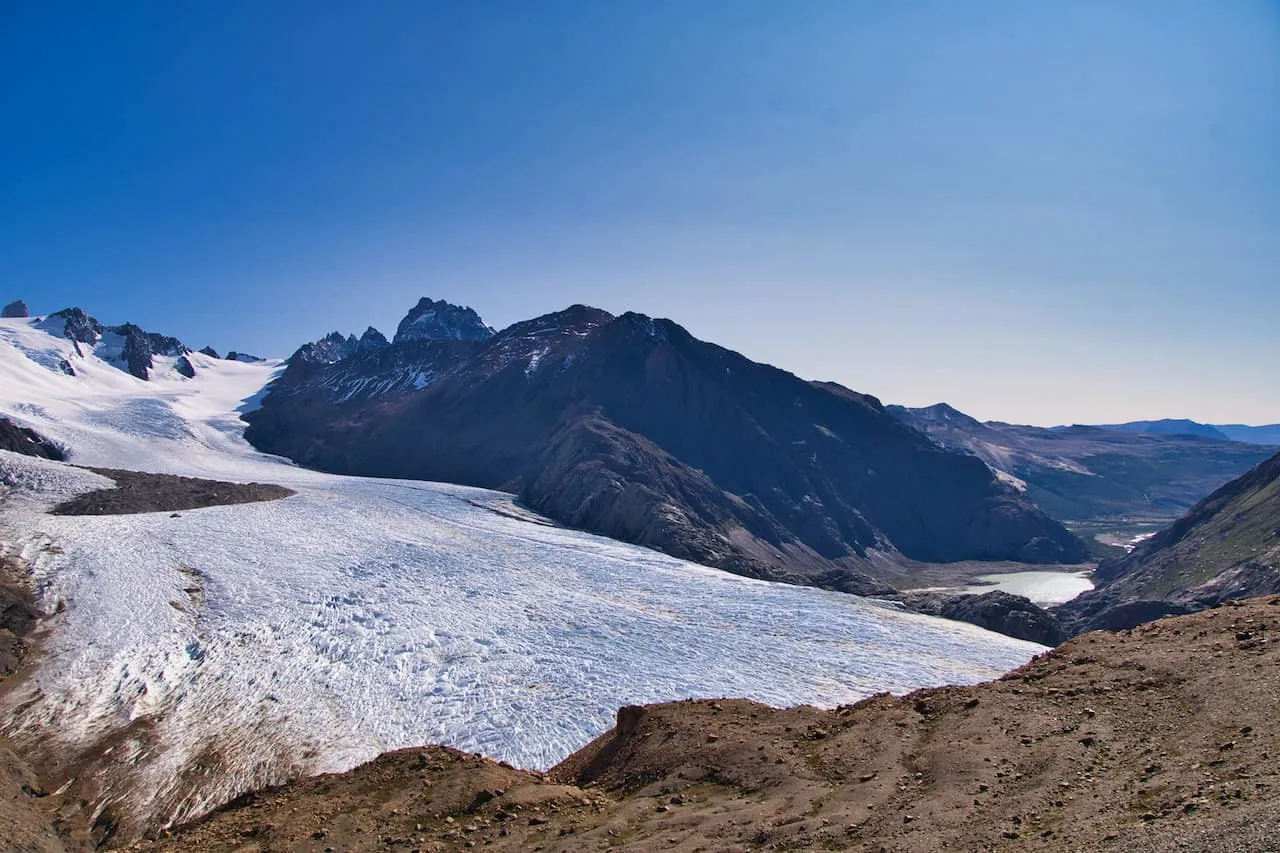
{"x": 1039, "y": 213}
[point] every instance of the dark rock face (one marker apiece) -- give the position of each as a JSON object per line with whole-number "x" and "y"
{"x": 372, "y": 339}
{"x": 439, "y": 321}
{"x": 19, "y": 439}
{"x": 630, "y": 427}
{"x": 15, "y": 309}
{"x": 185, "y": 367}
{"x": 136, "y": 352}
{"x": 211, "y": 352}
{"x": 76, "y": 325}
{"x": 1012, "y": 615}
{"x": 140, "y": 347}
{"x": 232, "y": 355}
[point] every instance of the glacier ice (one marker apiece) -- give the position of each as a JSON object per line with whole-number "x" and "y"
{"x": 360, "y": 615}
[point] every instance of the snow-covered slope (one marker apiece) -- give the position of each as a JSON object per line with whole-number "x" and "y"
{"x": 258, "y": 641}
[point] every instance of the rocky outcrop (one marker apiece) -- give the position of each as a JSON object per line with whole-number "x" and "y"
{"x": 141, "y": 491}
{"x": 631, "y": 427}
{"x": 140, "y": 348}
{"x": 15, "y": 310}
{"x": 20, "y": 439}
{"x": 999, "y": 611}
{"x": 210, "y": 351}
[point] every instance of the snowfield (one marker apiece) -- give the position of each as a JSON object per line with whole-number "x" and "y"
{"x": 260, "y": 641}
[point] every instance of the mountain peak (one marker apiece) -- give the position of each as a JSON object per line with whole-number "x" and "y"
{"x": 576, "y": 318}
{"x": 73, "y": 324}
{"x": 433, "y": 320}
{"x": 372, "y": 339}
{"x": 332, "y": 347}
{"x": 938, "y": 415}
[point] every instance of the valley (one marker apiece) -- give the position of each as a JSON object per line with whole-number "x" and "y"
{"x": 215, "y": 620}
{"x": 449, "y": 427}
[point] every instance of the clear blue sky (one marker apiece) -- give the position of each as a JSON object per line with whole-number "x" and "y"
{"x": 1041, "y": 212}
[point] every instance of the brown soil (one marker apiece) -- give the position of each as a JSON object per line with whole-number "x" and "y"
{"x": 1162, "y": 738}
{"x": 18, "y": 614}
{"x": 30, "y": 820}
{"x": 139, "y": 491}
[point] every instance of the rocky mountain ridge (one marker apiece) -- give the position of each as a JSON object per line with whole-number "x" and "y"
{"x": 631, "y": 427}
{"x": 127, "y": 345}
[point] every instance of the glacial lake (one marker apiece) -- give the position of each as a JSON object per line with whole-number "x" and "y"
{"x": 1043, "y": 588}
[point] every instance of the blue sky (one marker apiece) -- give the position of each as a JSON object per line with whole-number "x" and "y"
{"x": 1038, "y": 212}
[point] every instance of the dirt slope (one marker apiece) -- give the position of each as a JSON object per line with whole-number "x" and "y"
{"x": 1163, "y": 738}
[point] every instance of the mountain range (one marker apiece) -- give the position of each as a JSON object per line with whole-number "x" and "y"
{"x": 631, "y": 427}
{"x": 1099, "y": 477}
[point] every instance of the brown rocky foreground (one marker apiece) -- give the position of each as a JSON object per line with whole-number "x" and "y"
{"x": 1163, "y": 738}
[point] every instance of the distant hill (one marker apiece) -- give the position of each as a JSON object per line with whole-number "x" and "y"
{"x": 631, "y": 427}
{"x": 1269, "y": 434}
{"x": 1226, "y": 546}
{"x": 1169, "y": 426}
{"x": 1090, "y": 473}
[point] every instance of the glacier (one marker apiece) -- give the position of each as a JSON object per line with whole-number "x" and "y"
{"x": 227, "y": 648}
